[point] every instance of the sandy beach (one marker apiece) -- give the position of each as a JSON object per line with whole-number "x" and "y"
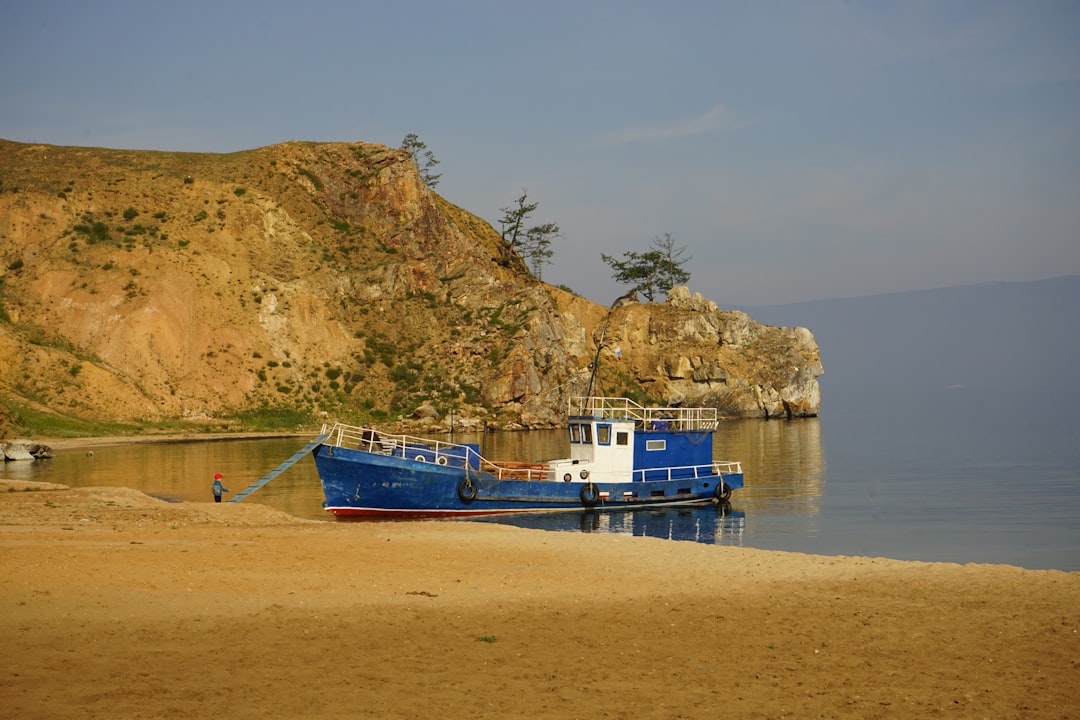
{"x": 118, "y": 605}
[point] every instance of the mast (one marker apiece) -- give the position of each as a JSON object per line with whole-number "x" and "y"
{"x": 596, "y": 360}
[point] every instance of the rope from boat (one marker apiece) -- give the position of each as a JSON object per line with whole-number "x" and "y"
{"x": 467, "y": 489}
{"x": 468, "y": 476}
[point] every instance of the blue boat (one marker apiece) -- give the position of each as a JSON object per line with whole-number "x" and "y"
{"x": 622, "y": 456}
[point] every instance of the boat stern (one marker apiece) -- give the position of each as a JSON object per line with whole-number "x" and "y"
{"x": 731, "y": 473}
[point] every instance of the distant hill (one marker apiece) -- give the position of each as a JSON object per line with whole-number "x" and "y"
{"x": 1011, "y": 344}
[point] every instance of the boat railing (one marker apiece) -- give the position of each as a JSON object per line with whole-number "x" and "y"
{"x": 363, "y": 438}
{"x": 619, "y": 408}
{"x": 429, "y": 450}
{"x": 686, "y": 472}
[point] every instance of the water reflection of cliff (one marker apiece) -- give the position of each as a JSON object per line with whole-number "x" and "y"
{"x": 783, "y": 464}
{"x": 184, "y": 471}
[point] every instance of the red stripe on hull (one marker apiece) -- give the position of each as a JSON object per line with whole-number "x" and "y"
{"x": 373, "y": 513}
{"x": 398, "y": 514}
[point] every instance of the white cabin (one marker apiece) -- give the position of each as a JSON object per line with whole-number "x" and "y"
{"x": 601, "y": 450}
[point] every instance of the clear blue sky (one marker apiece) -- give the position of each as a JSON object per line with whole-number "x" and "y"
{"x": 799, "y": 150}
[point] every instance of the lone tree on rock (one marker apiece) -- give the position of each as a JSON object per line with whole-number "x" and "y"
{"x": 534, "y": 243}
{"x": 537, "y": 247}
{"x": 514, "y": 217}
{"x": 671, "y": 272}
{"x": 657, "y": 270}
{"x": 419, "y": 151}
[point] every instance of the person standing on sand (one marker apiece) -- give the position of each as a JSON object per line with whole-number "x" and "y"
{"x": 217, "y": 488}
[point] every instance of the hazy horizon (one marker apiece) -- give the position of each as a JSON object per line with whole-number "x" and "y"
{"x": 978, "y": 353}
{"x": 797, "y": 150}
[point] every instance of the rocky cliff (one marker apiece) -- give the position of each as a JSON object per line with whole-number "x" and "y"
{"x": 310, "y": 280}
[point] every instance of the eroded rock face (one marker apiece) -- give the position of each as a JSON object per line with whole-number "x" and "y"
{"x": 691, "y": 352}
{"x": 327, "y": 278}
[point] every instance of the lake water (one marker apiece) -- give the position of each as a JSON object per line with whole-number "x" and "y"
{"x": 944, "y": 480}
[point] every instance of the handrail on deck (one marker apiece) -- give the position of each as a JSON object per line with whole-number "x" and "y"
{"x": 350, "y": 436}
{"x": 369, "y": 440}
{"x": 619, "y": 408}
{"x": 699, "y": 471}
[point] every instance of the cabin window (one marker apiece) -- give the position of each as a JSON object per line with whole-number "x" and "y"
{"x": 586, "y": 434}
{"x": 574, "y": 433}
{"x": 603, "y": 434}
{"x": 656, "y": 444}
{"x": 622, "y": 438}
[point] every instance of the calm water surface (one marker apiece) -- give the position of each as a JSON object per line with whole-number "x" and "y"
{"x": 961, "y": 487}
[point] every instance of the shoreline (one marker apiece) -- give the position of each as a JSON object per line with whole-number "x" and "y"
{"x": 110, "y": 440}
{"x": 474, "y": 620}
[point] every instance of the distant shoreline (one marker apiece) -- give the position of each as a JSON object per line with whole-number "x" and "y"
{"x": 111, "y": 440}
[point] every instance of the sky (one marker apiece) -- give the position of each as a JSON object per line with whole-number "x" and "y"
{"x": 797, "y": 150}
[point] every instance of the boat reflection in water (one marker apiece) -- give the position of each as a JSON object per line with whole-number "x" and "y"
{"x": 710, "y": 524}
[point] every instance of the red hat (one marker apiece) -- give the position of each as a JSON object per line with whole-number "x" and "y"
{"x": 218, "y": 476}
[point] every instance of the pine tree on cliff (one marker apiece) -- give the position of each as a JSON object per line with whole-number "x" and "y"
{"x": 419, "y": 150}
{"x": 533, "y": 244}
{"x": 657, "y": 270}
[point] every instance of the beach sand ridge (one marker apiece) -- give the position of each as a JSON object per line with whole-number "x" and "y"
{"x": 119, "y": 605}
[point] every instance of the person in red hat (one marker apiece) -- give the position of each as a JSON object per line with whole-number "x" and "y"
{"x": 217, "y": 488}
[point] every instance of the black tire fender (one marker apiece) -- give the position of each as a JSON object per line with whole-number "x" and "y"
{"x": 466, "y": 491}
{"x": 589, "y": 495}
{"x": 723, "y": 492}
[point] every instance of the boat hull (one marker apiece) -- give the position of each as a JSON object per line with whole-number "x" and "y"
{"x": 360, "y": 483}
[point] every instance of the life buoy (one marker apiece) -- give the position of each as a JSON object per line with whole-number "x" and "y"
{"x": 441, "y": 460}
{"x": 723, "y": 492}
{"x": 589, "y": 495}
{"x": 466, "y": 491}
{"x": 420, "y": 458}
{"x": 584, "y": 474}
{"x": 567, "y": 477}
